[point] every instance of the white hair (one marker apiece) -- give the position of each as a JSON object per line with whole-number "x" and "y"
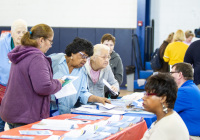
{"x": 17, "y": 23}
{"x": 99, "y": 47}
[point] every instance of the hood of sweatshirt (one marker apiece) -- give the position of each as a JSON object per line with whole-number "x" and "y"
{"x": 21, "y": 52}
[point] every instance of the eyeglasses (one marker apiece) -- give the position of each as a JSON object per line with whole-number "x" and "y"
{"x": 83, "y": 55}
{"x": 50, "y": 41}
{"x": 149, "y": 94}
{"x": 105, "y": 57}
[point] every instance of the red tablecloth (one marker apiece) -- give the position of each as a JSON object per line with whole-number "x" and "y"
{"x": 134, "y": 132}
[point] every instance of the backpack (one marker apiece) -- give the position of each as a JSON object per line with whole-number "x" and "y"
{"x": 156, "y": 62}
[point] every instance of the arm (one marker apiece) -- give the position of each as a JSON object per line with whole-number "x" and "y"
{"x": 102, "y": 100}
{"x": 118, "y": 71}
{"x": 166, "y": 57}
{"x": 188, "y": 57}
{"x": 111, "y": 79}
{"x": 41, "y": 77}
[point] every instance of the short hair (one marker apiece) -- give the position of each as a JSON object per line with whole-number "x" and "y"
{"x": 188, "y": 33}
{"x": 185, "y": 68}
{"x": 179, "y": 36}
{"x": 79, "y": 45}
{"x": 99, "y": 47}
{"x": 108, "y": 37}
{"x": 37, "y": 31}
{"x": 163, "y": 84}
{"x": 17, "y": 23}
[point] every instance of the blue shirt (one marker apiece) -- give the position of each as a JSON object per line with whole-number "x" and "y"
{"x": 60, "y": 69}
{"x": 187, "y": 105}
{"x": 5, "y": 64}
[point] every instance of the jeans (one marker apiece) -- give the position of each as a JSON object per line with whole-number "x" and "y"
{"x": 2, "y": 125}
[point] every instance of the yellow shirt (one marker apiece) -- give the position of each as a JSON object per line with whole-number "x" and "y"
{"x": 175, "y": 52}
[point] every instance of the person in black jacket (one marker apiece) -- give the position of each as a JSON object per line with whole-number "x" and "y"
{"x": 115, "y": 62}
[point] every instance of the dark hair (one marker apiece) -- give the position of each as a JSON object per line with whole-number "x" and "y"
{"x": 163, "y": 84}
{"x": 186, "y": 70}
{"x": 108, "y": 37}
{"x": 79, "y": 45}
{"x": 37, "y": 31}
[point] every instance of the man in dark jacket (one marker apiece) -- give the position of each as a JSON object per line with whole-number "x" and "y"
{"x": 115, "y": 62}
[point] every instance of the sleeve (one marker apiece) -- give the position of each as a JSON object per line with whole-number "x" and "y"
{"x": 119, "y": 71}
{"x": 166, "y": 56}
{"x": 182, "y": 102}
{"x": 111, "y": 79}
{"x": 84, "y": 94}
{"x": 41, "y": 77}
{"x": 188, "y": 57}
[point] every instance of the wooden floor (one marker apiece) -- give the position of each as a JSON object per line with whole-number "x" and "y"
{"x": 124, "y": 92}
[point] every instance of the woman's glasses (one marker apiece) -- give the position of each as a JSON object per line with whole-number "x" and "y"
{"x": 149, "y": 94}
{"x": 83, "y": 55}
{"x": 50, "y": 41}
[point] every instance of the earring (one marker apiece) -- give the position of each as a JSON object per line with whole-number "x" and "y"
{"x": 40, "y": 46}
{"x": 71, "y": 57}
{"x": 165, "y": 109}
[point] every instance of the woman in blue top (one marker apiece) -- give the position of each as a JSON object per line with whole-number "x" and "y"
{"x": 72, "y": 64}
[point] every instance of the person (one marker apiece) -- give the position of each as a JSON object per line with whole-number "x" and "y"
{"x": 98, "y": 70}
{"x": 189, "y": 36}
{"x": 165, "y": 66}
{"x": 12, "y": 39}
{"x": 71, "y": 64}
{"x": 192, "y": 56}
{"x": 115, "y": 63}
{"x": 30, "y": 84}
{"x": 187, "y": 103}
{"x": 175, "y": 51}
{"x": 160, "y": 96}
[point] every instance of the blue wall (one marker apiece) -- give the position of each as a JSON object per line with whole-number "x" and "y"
{"x": 64, "y": 36}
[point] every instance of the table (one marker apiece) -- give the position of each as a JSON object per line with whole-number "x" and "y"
{"x": 134, "y": 132}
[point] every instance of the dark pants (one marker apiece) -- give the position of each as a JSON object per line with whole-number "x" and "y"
{"x": 14, "y": 125}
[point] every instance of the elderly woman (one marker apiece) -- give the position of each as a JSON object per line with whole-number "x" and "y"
{"x": 160, "y": 96}
{"x": 30, "y": 84}
{"x": 71, "y": 64}
{"x": 98, "y": 68}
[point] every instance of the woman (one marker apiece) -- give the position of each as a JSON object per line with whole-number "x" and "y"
{"x": 115, "y": 62}
{"x": 30, "y": 84}
{"x": 175, "y": 52}
{"x": 189, "y": 36}
{"x": 165, "y": 66}
{"x": 160, "y": 96}
{"x": 71, "y": 64}
{"x": 98, "y": 68}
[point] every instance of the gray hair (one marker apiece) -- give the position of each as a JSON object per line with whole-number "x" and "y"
{"x": 17, "y": 23}
{"x": 99, "y": 47}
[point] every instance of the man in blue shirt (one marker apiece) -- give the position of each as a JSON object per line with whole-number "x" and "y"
{"x": 18, "y": 28}
{"x": 187, "y": 104}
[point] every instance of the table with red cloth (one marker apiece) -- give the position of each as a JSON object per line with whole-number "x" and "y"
{"x": 134, "y": 132}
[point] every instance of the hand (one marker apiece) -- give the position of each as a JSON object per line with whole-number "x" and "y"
{"x": 98, "y": 99}
{"x": 114, "y": 88}
{"x": 103, "y": 100}
{"x": 61, "y": 81}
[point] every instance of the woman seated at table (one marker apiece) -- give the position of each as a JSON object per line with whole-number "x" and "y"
{"x": 98, "y": 68}
{"x": 160, "y": 96}
{"x": 71, "y": 64}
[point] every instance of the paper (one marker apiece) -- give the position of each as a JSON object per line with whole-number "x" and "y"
{"x": 107, "y": 106}
{"x": 53, "y": 137}
{"x": 109, "y": 86}
{"x": 88, "y": 117}
{"x": 17, "y": 137}
{"x": 67, "y": 90}
{"x": 35, "y": 132}
{"x": 52, "y": 124}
